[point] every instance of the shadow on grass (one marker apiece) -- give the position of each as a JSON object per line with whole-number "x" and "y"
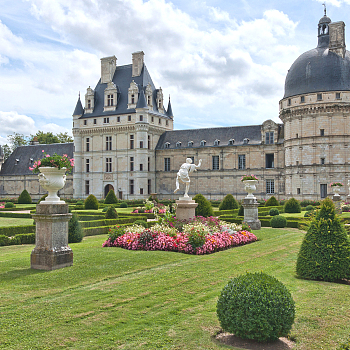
{"x": 19, "y": 273}
{"x": 247, "y": 344}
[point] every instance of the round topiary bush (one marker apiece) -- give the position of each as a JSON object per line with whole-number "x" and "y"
{"x": 24, "y": 198}
{"x": 241, "y": 211}
{"x": 256, "y": 306}
{"x": 309, "y": 207}
{"x": 140, "y": 222}
{"x": 9, "y": 205}
{"x": 271, "y": 202}
{"x": 75, "y": 231}
{"x": 325, "y": 251}
{"x": 204, "y": 207}
{"x": 278, "y": 221}
{"x": 292, "y": 206}
{"x": 111, "y": 198}
{"x": 274, "y": 211}
{"x": 111, "y": 213}
{"x": 228, "y": 203}
{"x": 308, "y": 214}
{"x": 91, "y": 202}
{"x": 123, "y": 205}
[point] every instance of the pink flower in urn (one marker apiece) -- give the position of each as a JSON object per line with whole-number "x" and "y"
{"x": 43, "y": 151}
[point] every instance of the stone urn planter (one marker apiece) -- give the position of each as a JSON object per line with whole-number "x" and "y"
{"x": 52, "y": 180}
{"x": 336, "y": 190}
{"x": 250, "y": 187}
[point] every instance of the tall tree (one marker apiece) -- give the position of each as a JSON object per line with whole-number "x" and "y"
{"x": 64, "y": 137}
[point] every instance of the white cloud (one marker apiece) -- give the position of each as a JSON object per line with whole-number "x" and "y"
{"x": 201, "y": 65}
{"x": 54, "y": 128}
{"x": 13, "y": 122}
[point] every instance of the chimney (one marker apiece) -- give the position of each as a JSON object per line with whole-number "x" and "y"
{"x": 108, "y": 65}
{"x": 337, "y": 38}
{"x": 137, "y": 63}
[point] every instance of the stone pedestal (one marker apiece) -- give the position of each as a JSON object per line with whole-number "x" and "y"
{"x": 250, "y": 206}
{"x": 337, "y": 203}
{"x": 348, "y": 198}
{"x": 186, "y": 208}
{"x": 51, "y": 238}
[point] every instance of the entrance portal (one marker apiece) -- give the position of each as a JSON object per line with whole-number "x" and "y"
{"x": 108, "y": 188}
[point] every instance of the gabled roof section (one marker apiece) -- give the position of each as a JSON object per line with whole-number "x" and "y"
{"x": 122, "y": 79}
{"x": 225, "y": 134}
{"x": 79, "y": 110}
{"x": 23, "y": 157}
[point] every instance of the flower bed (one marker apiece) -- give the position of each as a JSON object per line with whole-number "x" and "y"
{"x": 201, "y": 236}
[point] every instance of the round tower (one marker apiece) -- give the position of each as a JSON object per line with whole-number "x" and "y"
{"x": 315, "y": 111}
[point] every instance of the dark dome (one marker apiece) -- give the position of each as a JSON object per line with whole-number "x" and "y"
{"x": 318, "y": 70}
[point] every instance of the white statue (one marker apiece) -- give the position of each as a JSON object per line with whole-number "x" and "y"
{"x": 183, "y": 175}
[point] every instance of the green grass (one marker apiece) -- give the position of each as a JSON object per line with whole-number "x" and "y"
{"x": 118, "y": 299}
{"x": 15, "y": 221}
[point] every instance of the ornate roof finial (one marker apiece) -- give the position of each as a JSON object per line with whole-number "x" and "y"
{"x": 325, "y": 9}
{"x": 79, "y": 95}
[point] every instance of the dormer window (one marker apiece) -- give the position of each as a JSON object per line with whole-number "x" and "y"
{"x": 89, "y": 100}
{"x": 269, "y": 138}
{"x": 216, "y": 142}
{"x": 245, "y": 141}
{"x": 167, "y": 145}
{"x": 110, "y": 99}
{"x": 148, "y": 94}
{"x": 133, "y": 93}
{"x": 178, "y": 144}
{"x": 203, "y": 142}
{"x": 89, "y": 104}
{"x": 231, "y": 142}
{"x": 190, "y": 143}
{"x": 132, "y": 99}
{"x": 160, "y": 103}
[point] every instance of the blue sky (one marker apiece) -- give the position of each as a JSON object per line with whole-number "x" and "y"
{"x": 222, "y": 62}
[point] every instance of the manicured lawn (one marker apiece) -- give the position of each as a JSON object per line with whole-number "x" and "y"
{"x": 113, "y": 298}
{"x": 15, "y": 221}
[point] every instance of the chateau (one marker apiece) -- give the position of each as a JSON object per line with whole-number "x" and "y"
{"x": 124, "y": 138}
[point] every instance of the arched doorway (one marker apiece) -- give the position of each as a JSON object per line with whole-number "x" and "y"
{"x": 108, "y": 188}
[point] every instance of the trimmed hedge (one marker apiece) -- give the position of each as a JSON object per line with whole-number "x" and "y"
{"x": 24, "y": 198}
{"x": 223, "y": 212}
{"x": 28, "y": 238}
{"x": 10, "y": 231}
{"x": 111, "y": 222}
{"x": 17, "y": 209}
{"x": 91, "y": 202}
{"x": 204, "y": 207}
{"x": 15, "y": 215}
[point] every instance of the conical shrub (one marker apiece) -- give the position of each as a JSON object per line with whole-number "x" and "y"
{"x": 325, "y": 251}
{"x": 204, "y": 207}
{"x": 24, "y": 198}
{"x": 292, "y": 206}
{"x": 91, "y": 202}
{"x": 228, "y": 203}
{"x": 75, "y": 231}
{"x": 111, "y": 213}
{"x": 111, "y": 198}
{"x": 272, "y": 202}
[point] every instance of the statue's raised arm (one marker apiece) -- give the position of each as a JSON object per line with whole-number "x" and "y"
{"x": 183, "y": 175}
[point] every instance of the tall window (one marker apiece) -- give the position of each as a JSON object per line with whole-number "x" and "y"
{"x": 141, "y": 118}
{"x": 270, "y": 186}
{"x": 95, "y": 121}
{"x": 141, "y": 190}
{"x": 109, "y": 100}
{"x": 323, "y": 188}
{"x": 87, "y": 144}
{"x": 269, "y": 160}
{"x": 131, "y": 186}
{"x": 166, "y": 164}
{"x": 131, "y": 141}
{"x": 131, "y": 163}
{"x": 129, "y": 118}
{"x": 149, "y": 187}
{"x": 89, "y": 104}
{"x": 108, "y": 165}
{"x": 141, "y": 144}
{"x": 149, "y": 164}
{"x": 106, "y": 120}
{"x": 141, "y": 167}
{"x": 149, "y": 141}
{"x": 118, "y": 119}
{"x": 215, "y": 160}
{"x": 87, "y": 165}
{"x": 87, "y": 187}
{"x": 321, "y": 132}
{"x": 108, "y": 143}
{"x": 241, "y": 161}
{"x": 269, "y": 138}
{"x": 132, "y": 99}
{"x": 319, "y": 97}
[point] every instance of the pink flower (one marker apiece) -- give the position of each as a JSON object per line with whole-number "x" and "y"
{"x": 43, "y": 151}
{"x": 47, "y": 156}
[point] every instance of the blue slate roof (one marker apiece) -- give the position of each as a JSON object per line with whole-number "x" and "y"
{"x": 122, "y": 79}
{"x": 79, "y": 110}
{"x": 23, "y": 157}
{"x": 224, "y": 135}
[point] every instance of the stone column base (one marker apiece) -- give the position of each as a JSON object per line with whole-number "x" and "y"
{"x": 186, "y": 209}
{"x": 51, "y": 260}
{"x": 250, "y": 206}
{"x": 51, "y": 250}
